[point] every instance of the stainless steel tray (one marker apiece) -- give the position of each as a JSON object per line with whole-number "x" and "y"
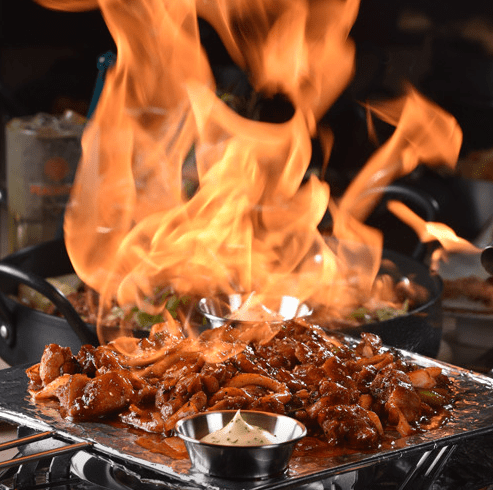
{"x": 472, "y": 415}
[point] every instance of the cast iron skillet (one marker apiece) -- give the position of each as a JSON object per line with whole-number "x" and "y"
{"x": 28, "y": 330}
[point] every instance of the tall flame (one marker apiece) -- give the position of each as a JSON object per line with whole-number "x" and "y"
{"x": 253, "y": 223}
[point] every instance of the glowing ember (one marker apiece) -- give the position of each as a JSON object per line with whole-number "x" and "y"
{"x": 252, "y": 224}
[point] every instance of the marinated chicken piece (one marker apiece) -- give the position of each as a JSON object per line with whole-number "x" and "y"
{"x": 52, "y": 389}
{"x": 35, "y": 383}
{"x": 55, "y": 362}
{"x": 338, "y": 393}
{"x": 70, "y": 392}
{"x": 350, "y": 425}
{"x": 371, "y": 345}
{"x": 309, "y": 374}
{"x": 229, "y": 398}
{"x": 403, "y": 407}
{"x": 394, "y": 390}
{"x": 104, "y": 395}
{"x": 425, "y": 378}
{"x": 281, "y": 354}
{"x": 335, "y": 370}
{"x": 194, "y": 405}
{"x": 87, "y": 360}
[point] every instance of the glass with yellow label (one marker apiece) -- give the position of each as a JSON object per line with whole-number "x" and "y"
{"x": 42, "y": 153}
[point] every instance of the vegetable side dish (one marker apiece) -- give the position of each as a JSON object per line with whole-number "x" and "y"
{"x": 347, "y": 396}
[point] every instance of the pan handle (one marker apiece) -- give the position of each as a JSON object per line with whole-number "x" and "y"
{"x": 422, "y": 202}
{"x": 428, "y": 209}
{"x": 487, "y": 258}
{"x": 7, "y": 330}
{"x": 79, "y": 326}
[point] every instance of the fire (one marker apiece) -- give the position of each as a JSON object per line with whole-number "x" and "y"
{"x": 252, "y": 224}
{"x": 431, "y": 231}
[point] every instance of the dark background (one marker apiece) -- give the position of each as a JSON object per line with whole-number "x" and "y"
{"x": 47, "y": 55}
{"x": 48, "y": 62}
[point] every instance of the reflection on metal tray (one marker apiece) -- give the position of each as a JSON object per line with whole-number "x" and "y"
{"x": 472, "y": 415}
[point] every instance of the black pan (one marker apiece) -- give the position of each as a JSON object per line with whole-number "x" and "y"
{"x": 26, "y": 331}
{"x": 418, "y": 331}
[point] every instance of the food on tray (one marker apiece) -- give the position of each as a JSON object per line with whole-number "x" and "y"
{"x": 238, "y": 432}
{"x": 472, "y": 288}
{"x": 348, "y": 396}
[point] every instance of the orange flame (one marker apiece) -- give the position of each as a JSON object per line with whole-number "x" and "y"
{"x": 429, "y": 231}
{"x": 252, "y": 224}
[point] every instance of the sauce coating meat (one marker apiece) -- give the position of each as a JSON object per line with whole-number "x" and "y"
{"x": 347, "y": 396}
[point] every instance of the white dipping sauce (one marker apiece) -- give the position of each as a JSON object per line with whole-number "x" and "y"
{"x": 239, "y": 433}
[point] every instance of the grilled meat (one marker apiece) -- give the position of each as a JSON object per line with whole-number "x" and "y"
{"x": 346, "y": 395}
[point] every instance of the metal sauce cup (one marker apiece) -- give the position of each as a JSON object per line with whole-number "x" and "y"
{"x": 240, "y": 462}
{"x": 221, "y": 310}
